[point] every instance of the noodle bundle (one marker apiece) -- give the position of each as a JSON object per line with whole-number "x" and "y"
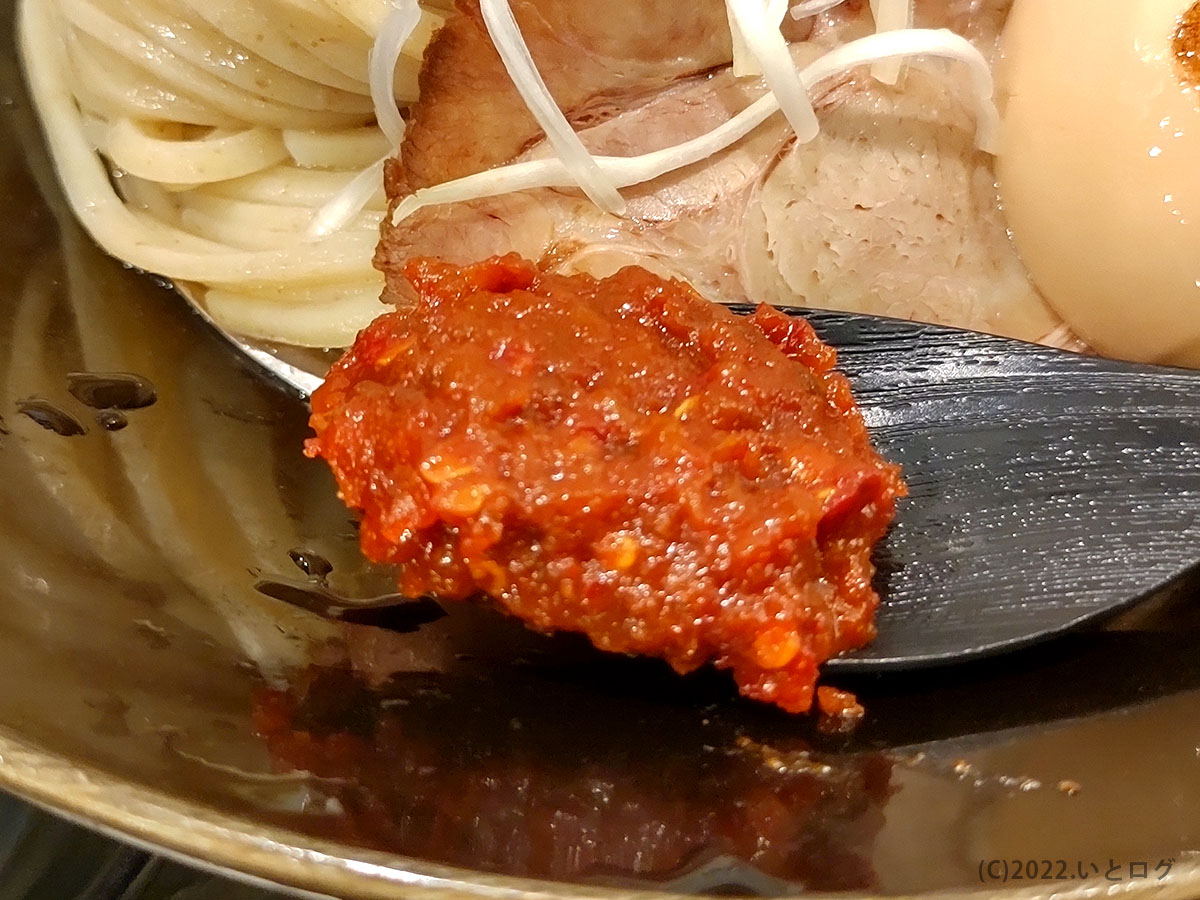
{"x": 209, "y": 140}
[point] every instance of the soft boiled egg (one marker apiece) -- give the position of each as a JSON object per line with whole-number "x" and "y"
{"x": 1099, "y": 168}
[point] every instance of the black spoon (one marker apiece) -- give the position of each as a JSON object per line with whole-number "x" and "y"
{"x": 1046, "y": 489}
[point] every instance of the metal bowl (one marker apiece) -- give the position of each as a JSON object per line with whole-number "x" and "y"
{"x": 152, "y": 688}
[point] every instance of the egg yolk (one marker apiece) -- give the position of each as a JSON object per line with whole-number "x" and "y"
{"x": 1099, "y": 167}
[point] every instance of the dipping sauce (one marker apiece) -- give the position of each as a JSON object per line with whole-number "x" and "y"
{"x": 616, "y": 457}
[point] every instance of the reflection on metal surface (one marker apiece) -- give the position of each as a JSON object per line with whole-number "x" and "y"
{"x": 51, "y": 417}
{"x": 572, "y": 770}
{"x": 300, "y": 368}
{"x": 393, "y": 611}
{"x": 111, "y": 390}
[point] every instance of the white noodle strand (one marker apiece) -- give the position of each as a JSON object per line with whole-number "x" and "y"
{"x": 134, "y": 147}
{"x": 759, "y": 31}
{"x": 890, "y": 15}
{"x": 502, "y": 26}
{"x": 808, "y": 8}
{"x": 348, "y": 203}
{"x": 397, "y": 28}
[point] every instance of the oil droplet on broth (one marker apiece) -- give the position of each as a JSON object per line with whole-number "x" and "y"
{"x": 311, "y": 564}
{"x": 51, "y": 417}
{"x": 111, "y": 420}
{"x": 111, "y": 390}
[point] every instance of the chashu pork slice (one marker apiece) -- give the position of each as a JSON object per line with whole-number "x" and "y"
{"x": 890, "y": 210}
{"x": 593, "y": 57}
{"x": 596, "y": 62}
{"x": 686, "y": 222}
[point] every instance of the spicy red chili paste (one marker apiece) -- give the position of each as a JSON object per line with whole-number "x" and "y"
{"x": 617, "y": 457}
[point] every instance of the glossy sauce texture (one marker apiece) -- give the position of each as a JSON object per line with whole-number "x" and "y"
{"x": 616, "y": 457}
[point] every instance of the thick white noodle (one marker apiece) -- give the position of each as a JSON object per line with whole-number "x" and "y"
{"x": 211, "y": 141}
{"x": 134, "y": 147}
{"x": 353, "y": 148}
